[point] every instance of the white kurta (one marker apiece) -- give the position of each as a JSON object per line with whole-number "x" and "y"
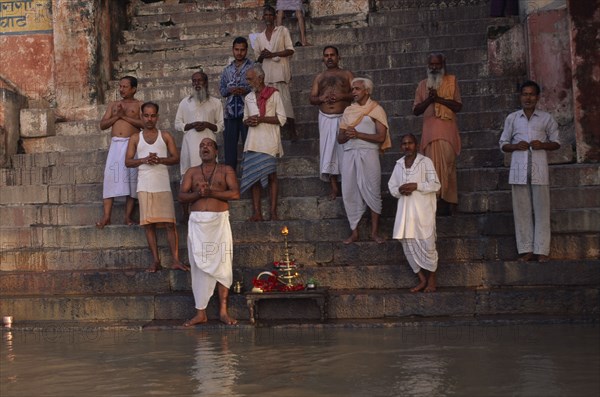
{"x": 265, "y": 138}
{"x": 415, "y": 214}
{"x": 190, "y": 111}
{"x": 210, "y": 251}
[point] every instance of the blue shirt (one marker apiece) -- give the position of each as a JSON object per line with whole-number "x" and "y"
{"x": 233, "y": 76}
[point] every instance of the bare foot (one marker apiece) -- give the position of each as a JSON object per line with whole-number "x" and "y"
{"x": 154, "y": 267}
{"x": 332, "y": 195}
{"x": 256, "y": 218}
{"x": 377, "y": 239}
{"x": 130, "y": 222}
{"x": 526, "y": 257}
{"x": 180, "y": 266}
{"x": 419, "y": 287}
{"x": 102, "y": 223}
{"x": 274, "y": 216}
{"x": 197, "y": 319}
{"x": 543, "y": 258}
{"x": 226, "y": 319}
{"x": 353, "y": 238}
{"x": 430, "y": 283}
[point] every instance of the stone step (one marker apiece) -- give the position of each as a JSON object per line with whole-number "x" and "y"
{"x": 390, "y": 53}
{"x": 179, "y": 36}
{"x": 460, "y": 239}
{"x": 315, "y": 208}
{"x": 393, "y": 276}
{"x": 195, "y": 7}
{"x": 343, "y": 304}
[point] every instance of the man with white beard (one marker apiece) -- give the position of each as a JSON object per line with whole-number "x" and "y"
{"x": 198, "y": 116}
{"x": 437, "y": 98}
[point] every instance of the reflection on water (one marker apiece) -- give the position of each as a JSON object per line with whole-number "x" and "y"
{"x": 424, "y": 360}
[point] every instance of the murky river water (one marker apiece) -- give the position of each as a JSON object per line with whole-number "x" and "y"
{"x": 422, "y": 360}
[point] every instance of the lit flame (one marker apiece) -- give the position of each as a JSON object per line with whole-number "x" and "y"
{"x": 284, "y": 231}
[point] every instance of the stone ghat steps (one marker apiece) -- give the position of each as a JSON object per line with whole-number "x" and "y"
{"x": 182, "y": 37}
{"x": 397, "y": 275}
{"x": 125, "y": 248}
{"x": 468, "y": 121}
{"x": 294, "y": 208}
{"x": 343, "y": 304}
{"x": 159, "y": 89}
{"x": 375, "y": 55}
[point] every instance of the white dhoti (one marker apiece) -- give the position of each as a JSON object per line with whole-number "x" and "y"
{"x": 361, "y": 187}
{"x": 331, "y": 151}
{"x": 421, "y": 253}
{"x": 118, "y": 179}
{"x": 210, "y": 251}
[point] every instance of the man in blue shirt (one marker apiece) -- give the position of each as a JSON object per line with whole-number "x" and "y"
{"x": 234, "y": 87}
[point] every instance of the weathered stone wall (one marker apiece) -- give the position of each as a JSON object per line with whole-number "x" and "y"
{"x": 585, "y": 29}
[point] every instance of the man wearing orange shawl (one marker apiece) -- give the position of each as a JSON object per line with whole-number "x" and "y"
{"x": 438, "y": 99}
{"x": 264, "y": 114}
{"x": 364, "y": 132}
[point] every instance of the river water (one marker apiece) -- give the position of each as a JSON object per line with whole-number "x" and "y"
{"x": 411, "y": 360}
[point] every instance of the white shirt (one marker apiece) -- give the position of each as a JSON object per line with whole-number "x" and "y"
{"x": 190, "y": 110}
{"x": 415, "y": 214}
{"x": 265, "y": 138}
{"x": 517, "y": 127}
{"x": 277, "y": 69}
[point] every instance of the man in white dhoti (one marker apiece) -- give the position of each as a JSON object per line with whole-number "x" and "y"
{"x": 273, "y": 48}
{"x": 331, "y": 92}
{"x": 123, "y": 118}
{"x": 209, "y": 187}
{"x": 363, "y": 133}
{"x": 198, "y": 116}
{"x": 414, "y": 183}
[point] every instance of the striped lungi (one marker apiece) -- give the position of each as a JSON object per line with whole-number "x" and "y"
{"x": 257, "y": 167}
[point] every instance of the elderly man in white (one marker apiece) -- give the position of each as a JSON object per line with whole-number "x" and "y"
{"x": 198, "y": 116}
{"x": 414, "y": 183}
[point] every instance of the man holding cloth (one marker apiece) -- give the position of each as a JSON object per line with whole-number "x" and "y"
{"x": 364, "y": 132}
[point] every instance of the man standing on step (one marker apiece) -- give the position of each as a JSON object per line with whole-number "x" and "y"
{"x": 123, "y": 118}
{"x": 198, "y": 116}
{"x": 414, "y": 183}
{"x": 364, "y": 132}
{"x": 293, "y": 5}
{"x": 208, "y": 188}
{"x": 438, "y": 99}
{"x": 151, "y": 151}
{"x": 273, "y": 48}
{"x": 332, "y": 93}
{"x": 234, "y": 88}
{"x": 528, "y": 133}
{"x": 264, "y": 114}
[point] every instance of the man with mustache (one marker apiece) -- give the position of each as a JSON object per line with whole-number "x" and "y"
{"x": 208, "y": 188}
{"x": 437, "y": 98}
{"x": 151, "y": 151}
{"x": 331, "y": 92}
{"x": 528, "y": 133}
{"x": 199, "y": 116}
{"x": 123, "y": 118}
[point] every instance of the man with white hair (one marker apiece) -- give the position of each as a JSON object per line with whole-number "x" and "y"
{"x": 364, "y": 132}
{"x": 438, "y": 99}
{"x": 264, "y": 114}
{"x": 198, "y": 116}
